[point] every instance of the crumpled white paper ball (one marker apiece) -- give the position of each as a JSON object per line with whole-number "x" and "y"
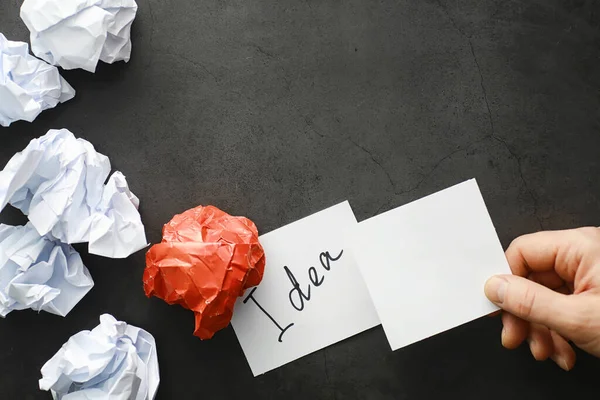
{"x": 79, "y": 33}
{"x": 28, "y": 86}
{"x": 58, "y": 182}
{"x": 39, "y": 273}
{"x": 114, "y": 361}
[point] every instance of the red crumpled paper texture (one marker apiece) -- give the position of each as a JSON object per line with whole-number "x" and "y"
{"x": 206, "y": 260}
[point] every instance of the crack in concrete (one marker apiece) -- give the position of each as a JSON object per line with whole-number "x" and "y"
{"x": 420, "y": 182}
{"x": 432, "y": 170}
{"x": 380, "y": 166}
{"x": 153, "y": 20}
{"x": 502, "y": 141}
{"x": 493, "y": 134}
{"x": 372, "y": 157}
{"x": 263, "y": 51}
{"x": 527, "y": 188}
{"x": 445, "y": 10}
{"x": 150, "y": 59}
{"x": 310, "y": 124}
{"x": 381, "y": 207}
{"x": 439, "y": 162}
{"x": 363, "y": 149}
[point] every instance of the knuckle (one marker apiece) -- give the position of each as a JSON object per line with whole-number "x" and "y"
{"x": 589, "y": 231}
{"x": 517, "y": 241}
{"x": 575, "y": 326}
{"x": 589, "y": 239}
{"x": 525, "y": 305}
{"x": 589, "y": 235}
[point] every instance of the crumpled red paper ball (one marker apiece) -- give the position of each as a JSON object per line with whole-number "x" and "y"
{"x": 206, "y": 260}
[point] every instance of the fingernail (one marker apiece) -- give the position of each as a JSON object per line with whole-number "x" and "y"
{"x": 561, "y": 362}
{"x": 495, "y": 288}
{"x": 532, "y": 343}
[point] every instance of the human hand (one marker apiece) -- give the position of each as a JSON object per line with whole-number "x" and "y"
{"x": 553, "y": 296}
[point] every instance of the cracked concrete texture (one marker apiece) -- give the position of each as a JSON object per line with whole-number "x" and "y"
{"x": 275, "y": 110}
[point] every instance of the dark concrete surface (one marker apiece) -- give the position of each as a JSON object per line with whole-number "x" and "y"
{"x": 278, "y": 109}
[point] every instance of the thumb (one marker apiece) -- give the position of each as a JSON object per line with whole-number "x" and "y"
{"x": 532, "y": 302}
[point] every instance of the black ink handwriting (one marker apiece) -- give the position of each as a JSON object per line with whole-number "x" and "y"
{"x": 283, "y": 330}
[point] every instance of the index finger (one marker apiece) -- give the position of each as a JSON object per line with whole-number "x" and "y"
{"x": 558, "y": 251}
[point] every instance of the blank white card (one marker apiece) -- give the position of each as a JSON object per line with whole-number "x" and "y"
{"x": 425, "y": 263}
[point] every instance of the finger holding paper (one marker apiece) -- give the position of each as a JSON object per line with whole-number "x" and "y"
{"x": 556, "y": 284}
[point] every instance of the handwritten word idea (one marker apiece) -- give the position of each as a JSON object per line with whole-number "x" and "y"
{"x": 297, "y": 296}
{"x": 312, "y": 294}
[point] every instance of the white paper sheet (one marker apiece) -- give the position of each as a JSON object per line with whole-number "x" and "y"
{"x": 58, "y": 182}
{"x": 114, "y": 361}
{"x": 426, "y": 263}
{"x": 338, "y": 308}
{"x": 38, "y": 273}
{"x": 28, "y": 86}
{"x": 79, "y": 33}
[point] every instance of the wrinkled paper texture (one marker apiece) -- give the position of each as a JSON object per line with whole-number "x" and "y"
{"x": 79, "y": 33}
{"x": 39, "y": 273}
{"x": 58, "y": 182}
{"x": 207, "y": 259}
{"x": 113, "y": 361}
{"x": 28, "y": 86}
